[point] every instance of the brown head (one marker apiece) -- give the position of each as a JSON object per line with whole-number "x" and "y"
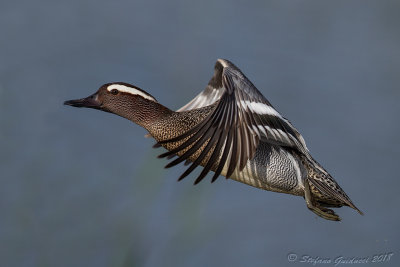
{"x": 125, "y": 100}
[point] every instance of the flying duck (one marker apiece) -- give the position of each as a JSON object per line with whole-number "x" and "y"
{"x": 231, "y": 129}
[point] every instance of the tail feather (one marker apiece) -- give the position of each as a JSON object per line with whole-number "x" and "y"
{"x": 336, "y": 193}
{"x": 325, "y": 183}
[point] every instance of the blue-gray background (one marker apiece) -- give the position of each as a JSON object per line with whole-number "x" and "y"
{"x": 84, "y": 188}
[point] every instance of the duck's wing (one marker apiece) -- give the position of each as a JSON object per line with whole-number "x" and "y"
{"x": 241, "y": 119}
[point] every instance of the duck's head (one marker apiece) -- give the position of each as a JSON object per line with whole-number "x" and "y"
{"x": 122, "y": 99}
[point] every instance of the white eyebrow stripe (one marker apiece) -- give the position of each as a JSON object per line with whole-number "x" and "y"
{"x": 129, "y": 90}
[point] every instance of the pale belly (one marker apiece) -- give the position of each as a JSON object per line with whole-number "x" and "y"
{"x": 273, "y": 169}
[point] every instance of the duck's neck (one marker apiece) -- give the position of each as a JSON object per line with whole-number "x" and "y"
{"x": 161, "y": 122}
{"x": 145, "y": 113}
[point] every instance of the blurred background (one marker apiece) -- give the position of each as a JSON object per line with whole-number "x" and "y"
{"x": 81, "y": 187}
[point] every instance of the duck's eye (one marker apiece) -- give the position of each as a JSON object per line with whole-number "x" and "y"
{"x": 114, "y": 91}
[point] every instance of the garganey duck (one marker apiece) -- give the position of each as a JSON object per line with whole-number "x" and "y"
{"x": 230, "y": 128}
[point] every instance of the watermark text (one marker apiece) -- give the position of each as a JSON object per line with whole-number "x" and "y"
{"x": 340, "y": 260}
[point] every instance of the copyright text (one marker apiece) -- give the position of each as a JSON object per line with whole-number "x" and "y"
{"x": 340, "y": 260}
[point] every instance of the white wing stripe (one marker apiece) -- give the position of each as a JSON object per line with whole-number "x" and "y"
{"x": 285, "y": 135}
{"x": 262, "y": 129}
{"x": 260, "y": 108}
